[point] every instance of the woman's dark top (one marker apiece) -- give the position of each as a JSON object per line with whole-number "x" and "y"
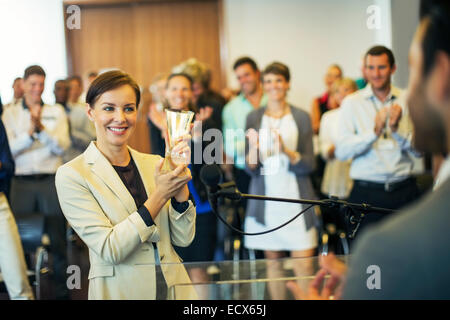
{"x": 132, "y": 179}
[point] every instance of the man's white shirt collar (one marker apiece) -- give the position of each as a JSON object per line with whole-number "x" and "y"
{"x": 367, "y": 92}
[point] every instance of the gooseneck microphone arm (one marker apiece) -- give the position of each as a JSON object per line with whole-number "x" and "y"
{"x": 211, "y": 176}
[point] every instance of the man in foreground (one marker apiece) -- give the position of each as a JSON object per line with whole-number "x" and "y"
{"x": 405, "y": 257}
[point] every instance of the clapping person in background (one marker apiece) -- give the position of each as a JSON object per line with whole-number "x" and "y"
{"x": 18, "y": 94}
{"x": 203, "y": 96}
{"x": 156, "y": 114}
{"x": 18, "y": 91}
{"x": 179, "y": 97}
{"x": 87, "y": 83}
{"x": 81, "y": 130}
{"x": 320, "y": 106}
{"x": 75, "y": 91}
{"x": 38, "y": 135}
{"x": 234, "y": 116}
{"x": 123, "y": 205}
{"x": 336, "y": 180}
{"x": 281, "y": 137}
{"x": 375, "y": 131}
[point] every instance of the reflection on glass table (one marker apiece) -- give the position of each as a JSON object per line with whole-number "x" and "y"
{"x": 246, "y": 279}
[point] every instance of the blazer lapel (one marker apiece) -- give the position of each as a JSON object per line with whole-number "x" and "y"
{"x": 146, "y": 169}
{"x": 105, "y": 171}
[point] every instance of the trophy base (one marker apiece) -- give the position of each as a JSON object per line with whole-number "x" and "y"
{"x": 171, "y": 162}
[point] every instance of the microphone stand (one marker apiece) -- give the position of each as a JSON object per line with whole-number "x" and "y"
{"x": 353, "y": 212}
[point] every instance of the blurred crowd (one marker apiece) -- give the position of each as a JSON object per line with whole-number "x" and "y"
{"x": 354, "y": 144}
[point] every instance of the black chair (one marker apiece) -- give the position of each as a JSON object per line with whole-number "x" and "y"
{"x": 31, "y": 231}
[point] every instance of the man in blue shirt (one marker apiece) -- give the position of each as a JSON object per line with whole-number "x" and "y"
{"x": 12, "y": 261}
{"x": 234, "y": 117}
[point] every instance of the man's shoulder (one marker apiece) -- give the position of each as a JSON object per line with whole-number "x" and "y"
{"x": 255, "y": 114}
{"x": 11, "y": 108}
{"x": 417, "y": 221}
{"x": 54, "y": 107}
{"x": 409, "y": 249}
{"x": 234, "y": 103}
{"x": 330, "y": 116}
{"x": 355, "y": 97}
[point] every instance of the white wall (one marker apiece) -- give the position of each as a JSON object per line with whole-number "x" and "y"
{"x": 307, "y": 35}
{"x": 31, "y": 32}
{"x": 405, "y": 19}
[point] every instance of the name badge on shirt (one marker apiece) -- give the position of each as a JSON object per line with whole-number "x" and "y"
{"x": 386, "y": 144}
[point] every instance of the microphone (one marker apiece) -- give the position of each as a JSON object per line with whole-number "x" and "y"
{"x": 211, "y": 176}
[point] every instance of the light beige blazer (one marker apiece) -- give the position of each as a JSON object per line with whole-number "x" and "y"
{"x": 103, "y": 213}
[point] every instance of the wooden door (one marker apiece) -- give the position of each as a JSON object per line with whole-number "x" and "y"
{"x": 144, "y": 38}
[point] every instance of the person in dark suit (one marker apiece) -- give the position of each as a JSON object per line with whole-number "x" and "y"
{"x": 12, "y": 261}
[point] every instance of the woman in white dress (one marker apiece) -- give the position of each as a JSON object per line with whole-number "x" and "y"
{"x": 279, "y": 164}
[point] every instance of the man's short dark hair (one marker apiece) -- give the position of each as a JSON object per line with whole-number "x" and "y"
{"x": 76, "y": 78}
{"x": 278, "y": 68}
{"x": 61, "y": 81}
{"x": 378, "y": 51}
{"x": 33, "y": 70}
{"x": 437, "y": 33}
{"x": 245, "y": 60}
{"x": 109, "y": 81}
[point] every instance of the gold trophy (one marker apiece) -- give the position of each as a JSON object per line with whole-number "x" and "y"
{"x": 178, "y": 125}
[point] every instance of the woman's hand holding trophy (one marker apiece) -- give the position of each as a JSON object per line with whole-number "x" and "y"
{"x": 177, "y": 137}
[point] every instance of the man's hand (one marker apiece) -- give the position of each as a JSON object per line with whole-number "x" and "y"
{"x": 227, "y": 170}
{"x": 333, "y": 286}
{"x": 331, "y": 151}
{"x": 252, "y": 156}
{"x": 380, "y": 121}
{"x": 203, "y": 115}
{"x": 35, "y": 115}
{"x": 395, "y": 115}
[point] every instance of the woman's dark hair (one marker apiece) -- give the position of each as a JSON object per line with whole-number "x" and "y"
{"x": 191, "y": 106}
{"x": 180, "y": 74}
{"x": 109, "y": 81}
{"x": 277, "y": 68}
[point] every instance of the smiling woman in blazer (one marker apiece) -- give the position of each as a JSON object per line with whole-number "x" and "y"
{"x": 125, "y": 208}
